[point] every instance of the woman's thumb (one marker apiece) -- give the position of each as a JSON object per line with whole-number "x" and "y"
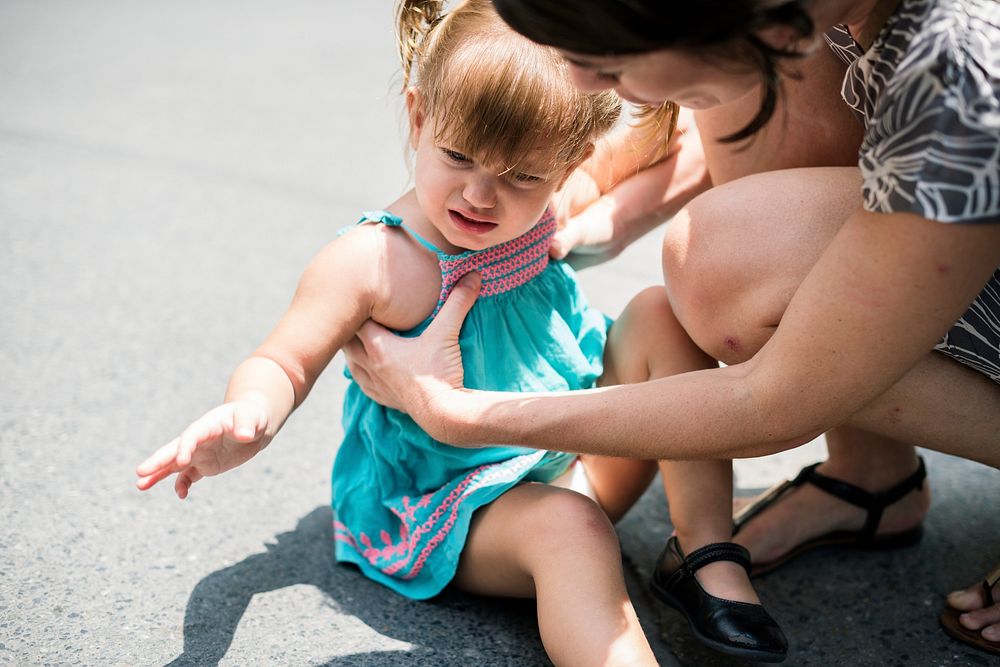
{"x": 452, "y": 314}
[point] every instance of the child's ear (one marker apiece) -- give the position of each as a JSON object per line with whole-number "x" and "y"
{"x": 414, "y": 109}
{"x": 570, "y": 169}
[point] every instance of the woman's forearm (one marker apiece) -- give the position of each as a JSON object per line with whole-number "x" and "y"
{"x": 703, "y": 414}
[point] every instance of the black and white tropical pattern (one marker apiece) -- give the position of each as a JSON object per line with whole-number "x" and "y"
{"x": 928, "y": 91}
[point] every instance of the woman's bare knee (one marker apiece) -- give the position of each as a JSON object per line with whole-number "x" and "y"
{"x": 735, "y": 255}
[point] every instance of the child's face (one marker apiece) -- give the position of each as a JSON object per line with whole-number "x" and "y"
{"x": 474, "y": 205}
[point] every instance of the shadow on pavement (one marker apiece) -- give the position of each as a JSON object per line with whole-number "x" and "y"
{"x": 442, "y": 628}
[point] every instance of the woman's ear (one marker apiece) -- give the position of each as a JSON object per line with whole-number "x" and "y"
{"x": 414, "y": 109}
{"x": 570, "y": 169}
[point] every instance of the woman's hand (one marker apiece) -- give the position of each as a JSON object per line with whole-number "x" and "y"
{"x": 223, "y": 438}
{"x": 419, "y": 376}
{"x": 599, "y": 217}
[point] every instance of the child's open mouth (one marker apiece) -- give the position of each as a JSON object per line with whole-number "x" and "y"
{"x": 468, "y": 224}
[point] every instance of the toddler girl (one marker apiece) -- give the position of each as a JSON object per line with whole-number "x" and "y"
{"x": 496, "y": 127}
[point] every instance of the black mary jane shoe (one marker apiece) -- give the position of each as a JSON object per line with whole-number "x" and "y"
{"x": 738, "y": 629}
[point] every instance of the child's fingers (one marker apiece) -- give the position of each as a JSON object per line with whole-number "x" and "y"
{"x": 184, "y": 481}
{"x": 163, "y": 456}
{"x": 249, "y": 421}
{"x": 148, "y": 481}
{"x": 207, "y": 427}
{"x": 181, "y": 486}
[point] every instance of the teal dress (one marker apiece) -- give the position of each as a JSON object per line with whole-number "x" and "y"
{"x": 403, "y": 501}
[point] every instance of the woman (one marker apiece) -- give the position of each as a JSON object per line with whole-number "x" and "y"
{"x": 872, "y": 293}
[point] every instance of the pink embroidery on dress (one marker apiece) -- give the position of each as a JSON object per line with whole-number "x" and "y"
{"x": 503, "y": 267}
{"x": 409, "y": 539}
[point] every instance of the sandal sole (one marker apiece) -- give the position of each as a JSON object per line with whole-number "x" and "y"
{"x": 953, "y": 628}
{"x": 844, "y": 540}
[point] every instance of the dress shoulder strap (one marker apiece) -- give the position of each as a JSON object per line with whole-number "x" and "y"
{"x": 391, "y": 220}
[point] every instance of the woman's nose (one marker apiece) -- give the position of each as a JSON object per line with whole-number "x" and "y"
{"x": 480, "y": 191}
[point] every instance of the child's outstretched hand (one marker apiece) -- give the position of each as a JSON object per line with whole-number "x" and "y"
{"x": 223, "y": 438}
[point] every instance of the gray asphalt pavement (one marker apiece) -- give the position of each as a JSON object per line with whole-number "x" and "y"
{"x": 167, "y": 169}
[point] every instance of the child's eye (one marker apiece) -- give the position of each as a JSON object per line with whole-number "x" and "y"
{"x": 608, "y": 76}
{"x": 527, "y": 179}
{"x": 455, "y": 156}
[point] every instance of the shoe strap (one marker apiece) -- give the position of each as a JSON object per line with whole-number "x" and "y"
{"x": 713, "y": 553}
{"x": 873, "y": 503}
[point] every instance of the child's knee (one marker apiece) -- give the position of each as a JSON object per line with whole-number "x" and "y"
{"x": 567, "y": 520}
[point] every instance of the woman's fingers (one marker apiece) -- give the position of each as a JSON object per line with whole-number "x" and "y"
{"x": 368, "y": 336}
{"x": 564, "y": 240}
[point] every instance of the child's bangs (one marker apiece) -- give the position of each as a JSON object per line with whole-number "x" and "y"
{"x": 505, "y": 104}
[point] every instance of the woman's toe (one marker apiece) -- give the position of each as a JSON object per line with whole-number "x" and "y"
{"x": 986, "y": 619}
{"x": 966, "y": 599}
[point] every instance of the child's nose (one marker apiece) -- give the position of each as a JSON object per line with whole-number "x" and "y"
{"x": 480, "y": 191}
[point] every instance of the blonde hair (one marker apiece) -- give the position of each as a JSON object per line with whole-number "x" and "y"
{"x": 492, "y": 93}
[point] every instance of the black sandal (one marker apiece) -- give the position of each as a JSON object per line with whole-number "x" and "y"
{"x": 873, "y": 503}
{"x": 954, "y": 629}
{"x": 735, "y": 628}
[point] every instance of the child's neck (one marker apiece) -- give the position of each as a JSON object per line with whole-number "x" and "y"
{"x": 408, "y": 208}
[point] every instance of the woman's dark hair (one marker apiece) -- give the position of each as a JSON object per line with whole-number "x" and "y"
{"x": 726, "y": 28}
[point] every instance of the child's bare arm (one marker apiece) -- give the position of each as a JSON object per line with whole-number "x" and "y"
{"x": 335, "y": 296}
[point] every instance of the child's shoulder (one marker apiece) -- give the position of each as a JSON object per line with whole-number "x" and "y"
{"x": 403, "y": 279}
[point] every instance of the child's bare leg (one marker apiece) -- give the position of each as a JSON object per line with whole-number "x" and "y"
{"x": 558, "y": 546}
{"x": 647, "y": 343}
{"x": 700, "y": 494}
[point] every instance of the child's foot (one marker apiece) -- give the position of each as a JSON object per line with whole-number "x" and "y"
{"x": 806, "y": 513}
{"x": 728, "y": 581}
{"x": 733, "y": 626}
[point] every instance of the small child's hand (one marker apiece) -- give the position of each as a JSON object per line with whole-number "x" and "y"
{"x": 225, "y": 437}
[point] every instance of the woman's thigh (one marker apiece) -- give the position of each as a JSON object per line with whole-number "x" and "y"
{"x": 733, "y": 258}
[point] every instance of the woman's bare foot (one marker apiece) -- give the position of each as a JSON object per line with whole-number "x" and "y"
{"x": 977, "y": 616}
